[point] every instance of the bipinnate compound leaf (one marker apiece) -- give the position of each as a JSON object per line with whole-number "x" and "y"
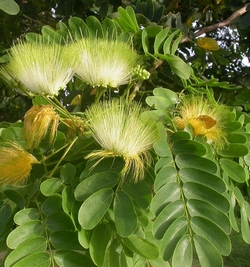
{"x": 31, "y": 246}
{"x": 124, "y": 214}
{"x": 98, "y": 244}
{"x": 94, "y": 208}
{"x": 190, "y": 205}
{"x": 24, "y": 232}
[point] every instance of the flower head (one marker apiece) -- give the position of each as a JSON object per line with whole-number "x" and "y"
{"x": 121, "y": 132}
{"x": 37, "y": 121}
{"x": 105, "y": 63}
{"x": 42, "y": 69}
{"x": 206, "y": 119}
{"x": 15, "y": 164}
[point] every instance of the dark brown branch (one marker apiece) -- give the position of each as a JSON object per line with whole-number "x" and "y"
{"x": 220, "y": 24}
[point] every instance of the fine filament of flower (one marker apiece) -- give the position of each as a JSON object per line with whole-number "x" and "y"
{"x": 104, "y": 63}
{"x": 43, "y": 69}
{"x": 121, "y": 132}
{"x": 206, "y": 119}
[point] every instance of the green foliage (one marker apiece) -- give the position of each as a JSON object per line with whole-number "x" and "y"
{"x": 75, "y": 210}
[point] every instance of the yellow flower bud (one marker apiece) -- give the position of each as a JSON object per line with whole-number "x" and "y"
{"x": 15, "y": 164}
{"x": 37, "y": 121}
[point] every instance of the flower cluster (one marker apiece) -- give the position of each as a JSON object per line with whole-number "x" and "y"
{"x": 206, "y": 119}
{"x": 121, "y": 132}
{"x": 102, "y": 62}
{"x": 38, "y": 68}
{"x": 44, "y": 69}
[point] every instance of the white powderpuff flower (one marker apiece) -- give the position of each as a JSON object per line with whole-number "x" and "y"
{"x": 106, "y": 63}
{"x": 39, "y": 68}
{"x": 121, "y": 132}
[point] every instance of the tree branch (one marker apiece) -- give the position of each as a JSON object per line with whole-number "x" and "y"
{"x": 220, "y": 24}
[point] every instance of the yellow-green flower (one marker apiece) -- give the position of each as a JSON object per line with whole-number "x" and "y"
{"x": 37, "y": 121}
{"x": 106, "y": 63}
{"x": 40, "y": 69}
{"x": 121, "y": 132}
{"x": 206, "y": 119}
{"x": 15, "y": 164}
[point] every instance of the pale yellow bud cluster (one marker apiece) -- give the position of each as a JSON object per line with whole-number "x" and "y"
{"x": 37, "y": 121}
{"x": 15, "y": 164}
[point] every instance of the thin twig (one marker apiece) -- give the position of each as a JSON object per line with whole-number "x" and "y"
{"x": 220, "y": 24}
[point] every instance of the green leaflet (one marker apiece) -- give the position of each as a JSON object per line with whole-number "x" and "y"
{"x": 124, "y": 214}
{"x": 233, "y": 170}
{"x": 24, "y": 232}
{"x": 37, "y": 259}
{"x": 183, "y": 254}
{"x": 29, "y": 247}
{"x": 94, "y": 183}
{"x": 207, "y": 253}
{"x": 141, "y": 247}
{"x": 26, "y": 215}
{"x": 98, "y": 244}
{"x": 52, "y": 204}
{"x": 94, "y": 208}
{"x": 65, "y": 240}
{"x": 9, "y": 6}
{"x": 65, "y": 258}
